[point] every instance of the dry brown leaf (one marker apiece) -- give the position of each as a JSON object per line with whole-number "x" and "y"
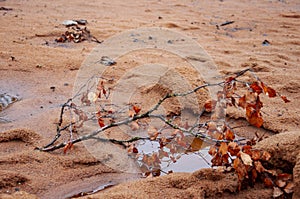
{"x": 212, "y": 150}
{"x": 266, "y": 156}
{"x": 196, "y": 144}
{"x": 223, "y": 149}
{"x": 289, "y": 188}
{"x": 242, "y": 102}
{"x": 254, "y": 116}
{"x": 255, "y": 154}
{"x": 277, "y": 192}
{"x": 268, "y": 182}
{"x": 256, "y": 88}
{"x": 280, "y": 183}
{"x": 136, "y": 109}
{"x": 268, "y": 90}
{"x": 101, "y": 122}
{"x": 285, "y": 176}
{"x": 285, "y": 99}
{"x": 246, "y": 158}
{"x": 259, "y": 167}
{"x": 229, "y": 135}
{"x": 210, "y": 105}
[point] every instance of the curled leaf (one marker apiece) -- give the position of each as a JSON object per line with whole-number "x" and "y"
{"x": 210, "y": 105}
{"x": 268, "y": 90}
{"x": 68, "y": 147}
{"x": 136, "y": 109}
{"x": 268, "y": 182}
{"x": 277, "y": 192}
{"x": 254, "y": 117}
{"x": 256, "y": 88}
{"x": 266, "y": 156}
{"x": 246, "y": 158}
{"x": 229, "y": 135}
{"x": 289, "y": 188}
{"x": 223, "y": 149}
{"x": 285, "y": 99}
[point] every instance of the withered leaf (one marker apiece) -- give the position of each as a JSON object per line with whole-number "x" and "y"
{"x": 265, "y": 156}
{"x": 254, "y": 175}
{"x": 268, "y": 90}
{"x": 68, "y": 147}
{"x": 247, "y": 149}
{"x": 212, "y": 150}
{"x": 289, "y": 188}
{"x": 240, "y": 169}
{"x": 210, "y": 105}
{"x": 277, "y": 192}
{"x": 233, "y": 148}
{"x": 254, "y": 117}
{"x": 223, "y": 149}
{"x": 246, "y": 158}
{"x": 217, "y": 160}
{"x": 229, "y": 135}
{"x": 136, "y": 109}
{"x": 285, "y": 176}
{"x": 280, "y": 183}
{"x": 268, "y": 182}
{"x": 196, "y": 144}
{"x": 255, "y": 154}
{"x": 285, "y": 99}
{"x": 242, "y": 102}
{"x": 101, "y": 122}
{"x": 259, "y": 167}
{"x": 256, "y": 88}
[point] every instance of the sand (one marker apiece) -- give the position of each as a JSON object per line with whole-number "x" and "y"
{"x": 31, "y": 62}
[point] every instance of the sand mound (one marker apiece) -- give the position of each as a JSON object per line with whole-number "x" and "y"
{"x": 24, "y": 135}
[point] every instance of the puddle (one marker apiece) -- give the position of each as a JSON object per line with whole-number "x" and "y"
{"x": 199, "y": 159}
{"x": 180, "y": 154}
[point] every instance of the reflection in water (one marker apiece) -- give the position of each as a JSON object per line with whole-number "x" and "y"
{"x": 187, "y": 155}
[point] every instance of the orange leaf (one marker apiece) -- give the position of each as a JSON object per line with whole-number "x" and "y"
{"x": 134, "y": 150}
{"x": 68, "y": 147}
{"x": 136, "y": 109}
{"x": 240, "y": 169}
{"x": 101, "y": 122}
{"x": 196, "y": 144}
{"x": 242, "y": 102}
{"x": 229, "y": 135}
{"x": 233, "y": 148}
{"x": 268, "y": 90}
{"x": 289, "y": 188}
{"x": 210, "y": 105}
{"x": 212, "y": 150}
{"x": 255, "y": 155}
{"x": 254, "y": 117}
{"x": 266, "y": 156}
{"x": 280, "y": 183}
{"x": 259, "y": 167}
{"x": 256, "y": 88}
{"x": 285, "y": 176}
{"x": 285, "y": 99}
{"x": 223, "y": 149}
{"x": 268, "y": 182}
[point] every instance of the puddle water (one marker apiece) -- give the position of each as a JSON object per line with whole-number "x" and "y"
{"x": 186, "y": 154}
